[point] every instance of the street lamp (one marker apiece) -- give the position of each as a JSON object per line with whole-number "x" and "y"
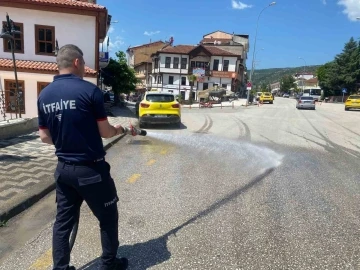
{"x": 255, "y": 62}
{"x": 8, "y": 32}
{"x": 253, "y": 56}
{"x": 304, "y": 72}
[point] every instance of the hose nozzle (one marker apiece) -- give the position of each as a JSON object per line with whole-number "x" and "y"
{"x": 131, "y": 130}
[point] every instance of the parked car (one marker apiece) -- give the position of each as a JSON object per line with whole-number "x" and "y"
{"x": 306, "y": 103}
{"x": 352, "y": 102}
{"x": 266, "y": 97}
{"x": 137, "y": 104}
{"x": 286, "y": 95}
{"x": 159, "y": 108}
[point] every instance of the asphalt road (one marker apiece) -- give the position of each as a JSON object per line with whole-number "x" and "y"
{"x": 266, "y": 187}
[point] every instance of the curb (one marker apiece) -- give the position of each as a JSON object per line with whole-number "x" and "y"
{"x": 36, "y": 193}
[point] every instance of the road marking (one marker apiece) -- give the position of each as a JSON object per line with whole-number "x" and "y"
{"x": 164, "y": 151}
{"x": 43, "y": 262}
{"x": 133, "y": 178}
{"x": 151, "y": 162}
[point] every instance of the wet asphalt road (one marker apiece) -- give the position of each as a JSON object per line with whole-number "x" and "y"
{"x": 265, "y": 187}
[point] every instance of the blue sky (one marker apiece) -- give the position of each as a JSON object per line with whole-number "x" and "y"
{"x": 315, "y": 30}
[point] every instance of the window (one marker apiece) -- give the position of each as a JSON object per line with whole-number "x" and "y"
{"x": 44, "y": 39}
{"x": 201, "y": 64}
{"x": 160, "y": 98}
{"x": 182, "y": 93}
{"x": 171, "y": 79}
{"x": 41, "y": 86}
{"x": 156, "y": 62}
{"x": 183, "y": 80}
{"x": 216, "y": 65}
{"x": 10, "y": 96}
{"x": 224, "y": 85}
{"x": 216, "y": 84}
{"x": 226, "y": 65}
{"x": 205, "y": 86}
{"x": 192, "y": 64}
{"x": 167, "y": 62}
{"x": 176, "y": 62}
{"x": 159, "y": 79}
{"x": 183, "y": 63}
{"x": 18, "y": 39}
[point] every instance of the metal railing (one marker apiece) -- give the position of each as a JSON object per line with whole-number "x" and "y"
{"x": 11, "y": 108}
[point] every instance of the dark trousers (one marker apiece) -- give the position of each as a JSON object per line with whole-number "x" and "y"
{"x": 91, "y": 183}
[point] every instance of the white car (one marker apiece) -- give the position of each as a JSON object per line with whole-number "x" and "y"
{"x": 306, "y": 103}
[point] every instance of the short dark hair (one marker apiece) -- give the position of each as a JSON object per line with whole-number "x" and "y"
{"x": 67, "y": 54}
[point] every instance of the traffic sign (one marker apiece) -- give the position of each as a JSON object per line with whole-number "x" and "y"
{"x": 248, "y": 86}
{"x": 344, "y": 90}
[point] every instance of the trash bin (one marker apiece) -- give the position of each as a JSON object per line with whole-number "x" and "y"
{"x": 326, "y": 100}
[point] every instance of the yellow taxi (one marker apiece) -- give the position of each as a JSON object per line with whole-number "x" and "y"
{"x": 266, "y": 97}
{"x": 352, "y": 102}
{"x": 159, "y": 108}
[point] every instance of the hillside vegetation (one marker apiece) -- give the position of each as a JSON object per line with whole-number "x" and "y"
{"x": 272, "y": 75}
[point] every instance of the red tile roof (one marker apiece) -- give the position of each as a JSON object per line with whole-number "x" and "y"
{"x": 69, "y": 3}
{"x": 185, "y": 49}
{"x": 312, "y": 80}
{"x": 147, "y": 45}
{"x": 217, "y": 51}
{"x": 31, "y": 66}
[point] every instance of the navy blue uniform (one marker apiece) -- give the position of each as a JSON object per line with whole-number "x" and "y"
{"x": 69, "y": 108}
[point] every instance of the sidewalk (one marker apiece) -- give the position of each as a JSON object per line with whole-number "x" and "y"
{"x": 27, "y": 166}
{"x": 225, "y": 104}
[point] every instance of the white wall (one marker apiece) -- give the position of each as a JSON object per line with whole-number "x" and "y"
{"x": 177, "y": 80}
{"x": 30, "y": 81}
{"x": 69, "y": 28}
{"x": 306, "y": 77}
{"x": 214, "y": 80}
{"x": 171, "y": 69}
{"x": 232, "y": 62}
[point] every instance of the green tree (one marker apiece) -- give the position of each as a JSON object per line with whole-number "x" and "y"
{"x": 348, "y": 61}
{"x": 329, "y": 79}
{"x": 343, "y": 71}
{"x": 119, "y": 75}
{"x": 264, "y": 87}
{"x": 286, "y": 83}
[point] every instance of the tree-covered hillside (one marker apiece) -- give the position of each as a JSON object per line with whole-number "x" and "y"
{"x": 272, "y": 75}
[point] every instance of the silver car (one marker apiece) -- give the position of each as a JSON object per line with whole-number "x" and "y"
{"x": 306, "y": 103}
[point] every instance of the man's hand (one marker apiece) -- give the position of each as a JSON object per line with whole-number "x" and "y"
{"x": 119, "y": 130}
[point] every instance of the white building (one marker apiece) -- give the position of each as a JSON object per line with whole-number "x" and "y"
{"x": 301, "y": 78}
{"x": 173, "y": 65}
{"x": 42, "y": 22}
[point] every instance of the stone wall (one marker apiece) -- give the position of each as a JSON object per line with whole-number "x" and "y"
{"x": 17, "y": 127}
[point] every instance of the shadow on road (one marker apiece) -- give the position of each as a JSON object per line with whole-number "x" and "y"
{"x": 16, "y": 140}
{"x": 12, "y": 158}
{"x": 165, "y": 127}
{"x": 153, "y": 252}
